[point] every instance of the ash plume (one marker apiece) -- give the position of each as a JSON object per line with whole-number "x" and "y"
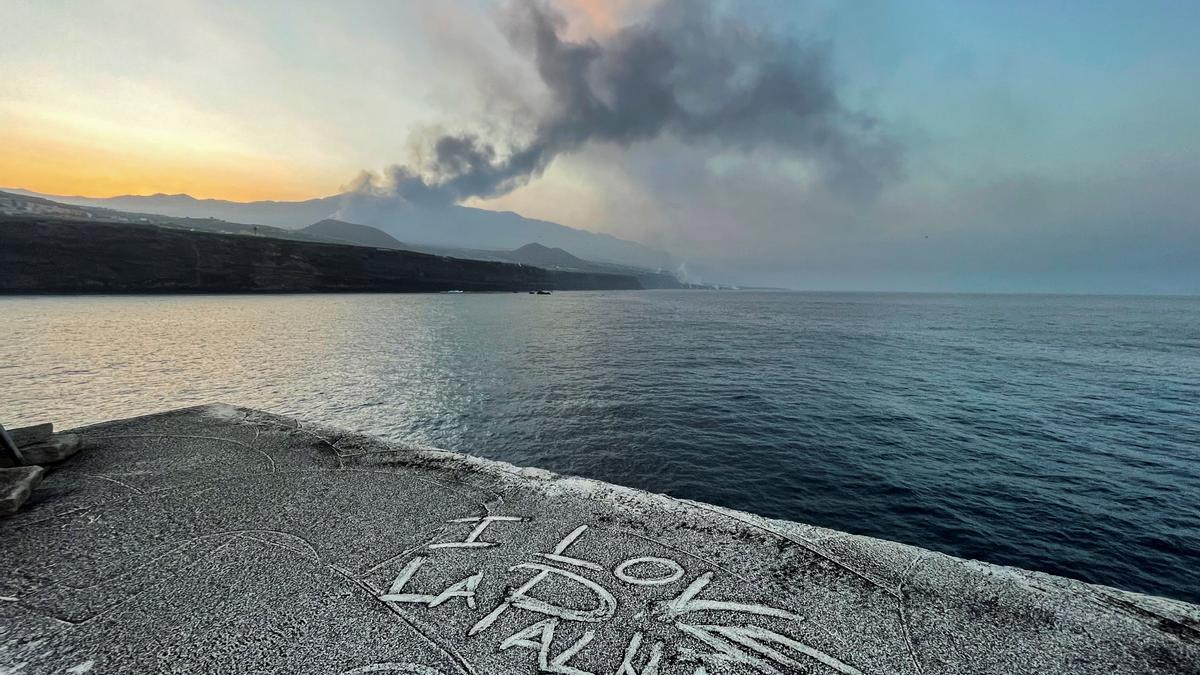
{"x": 683, "y": 72}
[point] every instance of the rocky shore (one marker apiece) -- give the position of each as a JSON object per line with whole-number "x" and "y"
{"x": 220, "y": 539}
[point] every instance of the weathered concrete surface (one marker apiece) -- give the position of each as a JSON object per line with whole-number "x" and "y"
{"x": 16, "y": 484}
{"x": 217, "y": 539}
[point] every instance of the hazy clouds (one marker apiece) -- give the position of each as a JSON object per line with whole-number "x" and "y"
{"x": 679, "y": 71}
{"x": 1041, "y": 151}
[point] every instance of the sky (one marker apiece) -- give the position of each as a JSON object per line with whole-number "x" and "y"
{"x": 910, "y": 145}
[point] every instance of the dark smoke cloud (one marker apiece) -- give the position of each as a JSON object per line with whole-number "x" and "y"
{"x": 683, "y": 72}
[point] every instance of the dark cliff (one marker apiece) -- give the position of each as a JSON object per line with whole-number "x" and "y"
{"x": 47, "y": 255}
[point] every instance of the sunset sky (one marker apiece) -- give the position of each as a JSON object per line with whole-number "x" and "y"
{"x": 1060, "y": 122}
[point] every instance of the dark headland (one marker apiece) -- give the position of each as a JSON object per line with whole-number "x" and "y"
{"x": 61, "y": 255}
{"x": 226, "y": 540}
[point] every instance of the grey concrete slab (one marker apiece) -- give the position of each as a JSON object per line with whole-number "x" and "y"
{"x": 219, "y": 539}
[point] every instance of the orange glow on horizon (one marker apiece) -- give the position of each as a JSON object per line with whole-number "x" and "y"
{"x": 104, "y": 135}
{"x": 64, "y": 168}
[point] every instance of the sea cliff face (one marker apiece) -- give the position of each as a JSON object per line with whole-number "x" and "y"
{"x": 46, "y": 255}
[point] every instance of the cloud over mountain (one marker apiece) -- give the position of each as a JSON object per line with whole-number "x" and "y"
{"x": 681, "y": 71}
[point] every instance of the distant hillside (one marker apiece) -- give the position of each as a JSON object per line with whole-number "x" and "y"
{"x": 67, "y": 255}
{"x": 12, "y": 204}
{"x": 529, "y": 254}
{"x": 21, "y": 204}
{"x": 353, "y": 233}
{"x": 285, "y": 215}
{"x": 452, "y": 226}
{"x": 544, "y": 256}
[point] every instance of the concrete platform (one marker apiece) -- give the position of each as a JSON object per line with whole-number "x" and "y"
{"x": 224, "y": 540}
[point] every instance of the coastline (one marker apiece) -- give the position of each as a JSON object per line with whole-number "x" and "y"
{"x": 59, "y": 256}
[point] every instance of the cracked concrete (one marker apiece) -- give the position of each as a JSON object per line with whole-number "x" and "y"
{"x": 219, "y": 539}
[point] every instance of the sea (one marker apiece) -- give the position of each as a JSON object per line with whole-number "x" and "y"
{"x": 1055, "y": 433}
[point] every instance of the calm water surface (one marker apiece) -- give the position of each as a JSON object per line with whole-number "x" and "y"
{"x": 1055, "y": 433}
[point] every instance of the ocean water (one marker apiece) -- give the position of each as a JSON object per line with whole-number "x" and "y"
{"x": 1058, "y": 433}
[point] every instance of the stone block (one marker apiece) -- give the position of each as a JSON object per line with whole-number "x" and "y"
{"x": 15, "y": 486}
{"x": 56, "y": 449}
{"x": 38, "y": 433}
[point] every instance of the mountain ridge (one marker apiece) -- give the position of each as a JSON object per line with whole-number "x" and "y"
{"x": 354, "y": 233}
{"x": 451, "y": 226}
{"x": 533, "y": 254}
{"x": 52, "y": 254}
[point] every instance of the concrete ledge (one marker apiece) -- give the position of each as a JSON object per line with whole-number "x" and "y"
{"x": 220, "y": 539}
